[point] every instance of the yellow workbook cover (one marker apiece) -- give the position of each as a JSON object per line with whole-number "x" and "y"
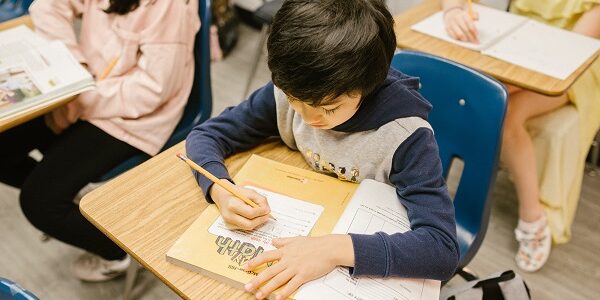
{"x": 313, "y": 204}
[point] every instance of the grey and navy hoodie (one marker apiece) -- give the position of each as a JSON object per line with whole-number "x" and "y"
{"x": 388, "y": 139}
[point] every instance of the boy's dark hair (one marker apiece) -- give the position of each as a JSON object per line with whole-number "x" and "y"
{"x": 122, "y": 7}
{"x": 321, "y": 49}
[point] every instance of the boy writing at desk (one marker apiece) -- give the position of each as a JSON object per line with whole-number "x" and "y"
{"x": 335, "y": 99}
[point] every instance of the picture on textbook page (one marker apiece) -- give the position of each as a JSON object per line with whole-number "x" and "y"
{"x": 34, "y": 71}
{"x": 16, "y": 85}
{"x": 520, "y": 41}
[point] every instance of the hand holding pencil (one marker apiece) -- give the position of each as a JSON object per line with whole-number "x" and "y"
{"x": 241, "y": 208}
{"x": 459, "y": 20}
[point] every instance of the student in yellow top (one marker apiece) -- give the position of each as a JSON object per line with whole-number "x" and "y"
{"x": 581, "y": 16}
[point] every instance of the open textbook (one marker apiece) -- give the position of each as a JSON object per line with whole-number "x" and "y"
{"x": 34, "y": 71}
{"x": 521, "y": 41}
{"x": 304, "y": 203}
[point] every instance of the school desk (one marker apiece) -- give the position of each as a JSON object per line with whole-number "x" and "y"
{"x": 146, "y": 209}
{"x": 15, "y": 119}
{"x": 503, "y": 71}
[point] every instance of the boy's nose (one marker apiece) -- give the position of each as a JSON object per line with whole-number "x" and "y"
{"x": 310, "y": 115}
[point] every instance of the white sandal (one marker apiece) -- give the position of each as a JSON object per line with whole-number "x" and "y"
{"x": 535, "y": 243}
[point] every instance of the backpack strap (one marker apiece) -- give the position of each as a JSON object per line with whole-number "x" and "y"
{"x": 491, "y": 289}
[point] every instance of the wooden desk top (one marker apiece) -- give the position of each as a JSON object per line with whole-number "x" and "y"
{"x": 503, "y": 71}
{"x": 13, "y": 120}
{"x": 23, "y": 116}
{"x": 148, "y": 208}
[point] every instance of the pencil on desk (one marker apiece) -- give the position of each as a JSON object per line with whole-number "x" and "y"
{"x": 109, "y": 68}
{"x": 470, "y": 7}
{"x": 218, "y": 181}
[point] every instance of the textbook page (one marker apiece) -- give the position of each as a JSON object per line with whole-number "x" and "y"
{"x": 374, "y": 207}
{"x": 545, "y": 49}
{"x": 294, "y": 218}
{"x": 33, "y": 71}
{"x": 492, "y": 25}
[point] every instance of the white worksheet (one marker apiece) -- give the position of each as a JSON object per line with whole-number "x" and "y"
{"x": 374, "y": 207}
{"x": 294, "y": 218}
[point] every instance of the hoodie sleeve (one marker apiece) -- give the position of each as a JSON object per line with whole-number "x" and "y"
{"x": 430, "y": 250}
{"x": 237, "y": 128}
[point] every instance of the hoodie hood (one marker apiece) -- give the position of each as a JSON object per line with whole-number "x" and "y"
{"x": 397, "y": 97}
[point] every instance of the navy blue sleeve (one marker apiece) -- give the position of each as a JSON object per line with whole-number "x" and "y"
{"x": 430, "y": 250}
{"x": 237, "y": 128}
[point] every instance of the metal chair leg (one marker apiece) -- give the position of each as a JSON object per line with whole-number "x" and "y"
{"x": 264, "y": 31}
{"x": 130, "y": 277}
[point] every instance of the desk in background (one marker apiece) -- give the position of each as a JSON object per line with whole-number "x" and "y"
{"x": 15, "y": 119}
{"x": 501, "y": 70}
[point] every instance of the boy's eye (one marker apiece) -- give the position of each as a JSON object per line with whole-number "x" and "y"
{"x": 330, "y": 111}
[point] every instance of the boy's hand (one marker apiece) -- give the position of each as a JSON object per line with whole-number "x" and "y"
{"x": 300, "y": 259}
{"x": 460, "y": 26}
{"x": 236, "y": 213}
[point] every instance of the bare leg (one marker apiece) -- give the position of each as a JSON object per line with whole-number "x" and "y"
{"x": 517, "y": 147}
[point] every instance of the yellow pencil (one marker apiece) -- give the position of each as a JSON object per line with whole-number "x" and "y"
{"x": 109, "y": 68}
{"x": 470, "y": 7}
{"x": 218, "y": 181}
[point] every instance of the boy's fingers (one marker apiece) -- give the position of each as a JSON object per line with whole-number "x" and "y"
{"x": 259, "y": 221}
{"x": 289, "y": 288}
{"x": 259, "y": 199}
{"x": 275, "y": 282}
{"x": 241, "y": 208}
{"x": 262, "y": 258}
{"x": 235, "y": 221}
{"x": 280, "y": 242}
{"x": 263, "y": 276}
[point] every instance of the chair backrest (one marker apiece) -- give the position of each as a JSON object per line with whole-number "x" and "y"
{"x": 11, "y": 9}
{"x": 199, "y": 105}
{"x": 12, "y": 291}
{"x": 467, "y": 117}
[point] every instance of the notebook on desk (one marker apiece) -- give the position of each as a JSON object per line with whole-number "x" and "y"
{"x": 521, "y": 41}
{"x": 304, "y": 203}
{"x": 34, "y": 71}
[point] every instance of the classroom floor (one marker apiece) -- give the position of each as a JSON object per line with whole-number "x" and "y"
{"x": 572, "y": 272}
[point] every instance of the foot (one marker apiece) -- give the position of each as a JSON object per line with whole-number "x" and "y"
{"x": 535, "y": 242}
{"x": 93, "y": 268}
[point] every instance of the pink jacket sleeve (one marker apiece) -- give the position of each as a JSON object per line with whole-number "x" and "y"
{"x": 54, "y": 21}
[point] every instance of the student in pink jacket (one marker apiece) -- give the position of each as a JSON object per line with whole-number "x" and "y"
{"x": 133, "y": 110}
